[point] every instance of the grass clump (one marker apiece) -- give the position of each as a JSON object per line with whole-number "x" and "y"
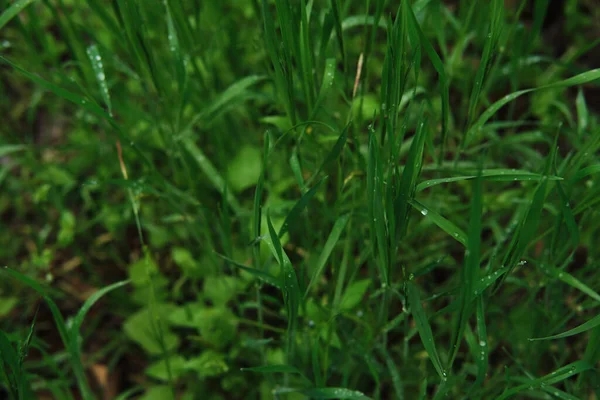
{"x": 298, "y": 199}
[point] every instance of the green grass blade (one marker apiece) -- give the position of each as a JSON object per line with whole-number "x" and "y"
{"x": 98, "y": 68}
{"x": 335, "y": 151}
{"x": 424, "y": 328}
{"x": 175, "y": 49}
{"x": 437, "y": 63}
{"x": 89, "y": 303}
{"x": 211, "y": 173}
{"x": 334, "y": 393}
{"x": 577, "y": 284}
{"x": 444, "y": 224}
{"x": 488, "y": 51}
{"x": 497, "y": 175}
{"x": 291, "y": 290}
{"x": 14, "y": 9}
{"x": 63, "y": 331}
{"x": 576, "y": 80}
{"x": 261, "y": 275}
{"x": 332, "y": 240}
{"x": 65, "y": 94}
{"x": 300, "y": 206}
{"x": 586, "y": 326}
{"x": 410, "y": 175}
{"x": 9, "y": 365}
{"x": 470, "y": 270}
{"x": 557, "y": 376}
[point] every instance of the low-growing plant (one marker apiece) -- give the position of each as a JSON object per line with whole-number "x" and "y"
{"x": 299, "y": 199}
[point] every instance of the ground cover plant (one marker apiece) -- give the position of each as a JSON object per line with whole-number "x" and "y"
{"x": 298, "y": 199}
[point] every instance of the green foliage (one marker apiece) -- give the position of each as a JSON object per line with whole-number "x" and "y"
{"x": 310, "y": 199}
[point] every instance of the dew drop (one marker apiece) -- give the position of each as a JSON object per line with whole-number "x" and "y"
{"x": 424, "y": 212}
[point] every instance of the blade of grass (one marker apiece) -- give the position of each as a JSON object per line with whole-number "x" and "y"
{"x": 13, "y": 10}
{"x": 291, "y": 290}
{"x": 300, "y": 206}
{"x": 439, "y": 67}
{"x": 470, "y": 270}
{"x": 424, "y": 328}
{"x": 576, "y": 80}
{"x": 96, "y": 61}
{"x": 444, "y": 224}
{"x": 586, "y": 326}
{"x": 67, "y": 339}
{"x": 261, "y": 275}
{"x": 557, "y": 376}
{"x": 211, "y": 173}
{"x": 332, "y": 240}
{"x": 410, "y": 175}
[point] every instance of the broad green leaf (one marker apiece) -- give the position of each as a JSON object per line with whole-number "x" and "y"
{"x": 142, "y": 328}
{"x": 244, "y": 169}
{"x": 354, "y": 293}
{"x": 160, "y": 371}
{"x": 208, "y": 364}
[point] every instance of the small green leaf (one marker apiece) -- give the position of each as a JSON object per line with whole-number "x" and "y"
{"x": 208, "y": 364}
{"x": 244, "y": 170}
{"x": 142, "y": 329}
{"x": 159, "y": 370}
{"x": 354, "y": 294}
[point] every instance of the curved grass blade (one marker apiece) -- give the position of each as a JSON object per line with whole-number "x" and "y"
{"x": 586, "y": 326}
{"x": 300, "y": 206}
{"x": 65, "y": 94}
{"x": 557, "y": 376}
{"x": 335, "y": 151}
{"x": 444, "y": 224}
{"x": 500, "y": 175}
{"x": 332, "y": 240}
{"x": 261, "y": 275}
{"x": 587, "y": 171}
{"x": 424, "y": 328}
{"x": 63, "y": 331}
{"x": 14, "y": 9}
{"x": 78, "y": 320}
{"x": 580, "y": 79}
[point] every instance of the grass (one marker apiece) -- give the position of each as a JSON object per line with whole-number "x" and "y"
{"x": 299, "y": 199}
